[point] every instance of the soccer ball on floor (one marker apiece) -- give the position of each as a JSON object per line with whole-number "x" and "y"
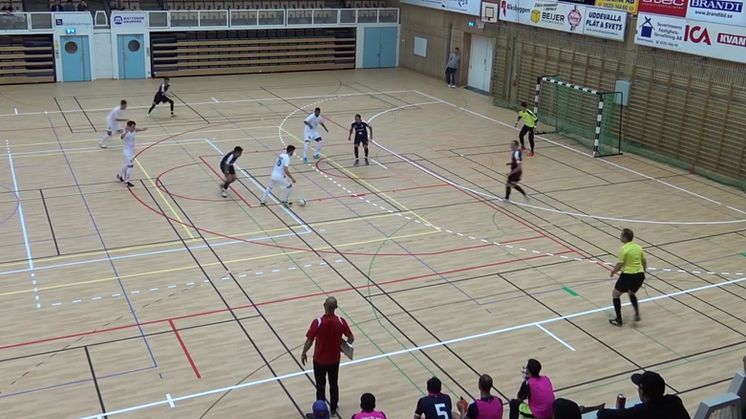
{"x": 302, "y": 202}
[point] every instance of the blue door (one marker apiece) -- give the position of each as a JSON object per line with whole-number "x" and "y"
{"x": 372, "y": 48}
{"x": 388, "y": 47}
{"x": 379, "y": 47}
{"x": 131, "y": 54}
{"x": 76, "y": 58}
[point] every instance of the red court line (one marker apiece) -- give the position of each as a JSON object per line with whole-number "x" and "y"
{"x": 269, "y": 302}
{"x": 184, "y": 348}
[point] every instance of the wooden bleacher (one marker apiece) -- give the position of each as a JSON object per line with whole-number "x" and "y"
{"x": 26, "y": 59}
{"x": 243, "y": 4}
{"x": 182, "y": 54}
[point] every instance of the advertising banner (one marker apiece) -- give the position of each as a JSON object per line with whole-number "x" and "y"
{"x": 663, "y": 7}
{"x": 725, "y": 42}
{"x": 468, "y": 7}
{"x": 629, "y": 6}
{"x": 728, "y": 12}
{"x": 566, "y": 17}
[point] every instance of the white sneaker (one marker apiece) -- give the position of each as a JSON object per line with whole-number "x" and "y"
{"x": 102, "y": 145}
{"x": 223, "y": 192}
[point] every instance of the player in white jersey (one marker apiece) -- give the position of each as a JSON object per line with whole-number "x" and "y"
{"x": 281, "y": 177}
{"x": 311, "y": 133}
{"x": 129, "y": 152}
{"x": 112, "y": 123}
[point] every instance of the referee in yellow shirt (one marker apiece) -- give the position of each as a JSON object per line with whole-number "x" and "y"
{"x": 529, "y": 124}
{"x": 633, "y": 265}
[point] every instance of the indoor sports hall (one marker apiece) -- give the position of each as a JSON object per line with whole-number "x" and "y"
{"x": 165, "y": 299}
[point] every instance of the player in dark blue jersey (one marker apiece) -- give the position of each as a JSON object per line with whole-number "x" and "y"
{"x": 435, "y": 405}
{"x": 226, "y": 166}
{"x": 360, "y": 129}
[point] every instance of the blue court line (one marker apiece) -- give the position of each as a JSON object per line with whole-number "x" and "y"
{"x": 125, "y": 294}
{"x": 19, "y": 207}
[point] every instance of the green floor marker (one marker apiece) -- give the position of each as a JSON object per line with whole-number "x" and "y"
{"x": 570, "y": 291}
{"x": 743, "y": 254}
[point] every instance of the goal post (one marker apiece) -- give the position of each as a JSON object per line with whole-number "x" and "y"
{"x": 584, "y": 114}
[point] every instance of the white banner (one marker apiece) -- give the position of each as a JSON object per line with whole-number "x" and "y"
{"x": 468, "y": 7}
{"x": 729, "y": 12}
{"x": 726, "y": 42}
{"x": 566, "y": 17}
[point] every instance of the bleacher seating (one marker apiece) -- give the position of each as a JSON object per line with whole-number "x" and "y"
{"x": 26, "y": 59}
{"x": 183, "y": 54}
{"x": 264, "y": 4}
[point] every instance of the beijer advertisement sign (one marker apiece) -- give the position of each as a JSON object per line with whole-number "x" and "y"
{"x": 566, "y": 17}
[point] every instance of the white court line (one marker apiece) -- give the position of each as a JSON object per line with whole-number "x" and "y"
{"x": 376, "y": 162}
{"x": 29, "y": 256}
{"x": 567, "y": 345}
{"x": 214, "y": 100}
{"x": 522, "y": 204}
{"x": 284, "y": 208}
{"x": 265, "y": 99}
{"x": 670, "y": 185}
{"x": 408, "y": 350}
{"x": 15, "y": 111}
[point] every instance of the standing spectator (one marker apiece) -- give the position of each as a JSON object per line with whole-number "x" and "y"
{"x": 633, "y": 265}
{"x": 566, "y": 409}
{"x": 56, "y": 7}
{"x": 488, "y": 406}
{"x": 69, "y": 6}
{"x": 82, "y": 6}
{"x": 368, "y": 406}
{"x": 8, "y": 8}
{"x": 537, "y": 389}
{"x": 655, "y": 405}
{"x": 319, "y": 410}
{"x": 435, "y": 405}
{"x": 454, "y": 59}
{"x": 327, "y": 331}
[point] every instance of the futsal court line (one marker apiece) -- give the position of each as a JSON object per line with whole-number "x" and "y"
{"x": 24, "y": 231}
{"x": 165, "y": 201}
{"x": 567, "y": 345}
{"x": 267, "y": 99}
{"x": 670, "y": 185}
{"x": 171, "y": 401}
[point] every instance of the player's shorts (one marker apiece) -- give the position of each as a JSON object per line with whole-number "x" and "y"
{"x": 629, "y": 282}
{"x": 312, "y": 136}
{"x": 160, "y": 98}
{"x": 515, "y": 177}
{"x": 227, "y": 169}
{"x": 114, "y": 127}
{"x": 363, "y": 141}
{"x": 280, "y": 181}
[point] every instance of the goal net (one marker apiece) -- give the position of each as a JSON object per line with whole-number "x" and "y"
{"x": 588, "y": 116}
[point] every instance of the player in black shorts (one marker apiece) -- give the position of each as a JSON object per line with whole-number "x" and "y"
{"x": 435, "y": 405}
{"x": 361, "y": 137}
{"x": 516, "y": 171}
{"x": 161, "y": 96}
{"x": 226, "y": 166}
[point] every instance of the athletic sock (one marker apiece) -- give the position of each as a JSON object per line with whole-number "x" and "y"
{"x": 305, "y": 149}
{"x": 519, "y": 189}
{"x": 153, "y": 107}
{"x": 267, "y": 191}
{"x": 618, "y": 309}
{"x": 507, "y": 193}
{"x": 366, "y": 152}
{"x": 287, "y": 194}
{"x": 357, "y": 153}
{"x": 633, "y": 300}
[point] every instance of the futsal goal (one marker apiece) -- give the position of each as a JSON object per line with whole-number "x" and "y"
{"x": 586, "y": 115}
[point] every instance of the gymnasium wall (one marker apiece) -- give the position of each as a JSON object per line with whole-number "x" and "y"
{"x": 684, "y": 110}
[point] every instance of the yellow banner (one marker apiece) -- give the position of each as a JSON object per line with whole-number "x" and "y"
{"x": 629, "y": 6}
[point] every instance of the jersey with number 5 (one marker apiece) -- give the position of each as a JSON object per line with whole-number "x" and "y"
{"x": 434, "y": 406}
{"x": 282, "y": 162}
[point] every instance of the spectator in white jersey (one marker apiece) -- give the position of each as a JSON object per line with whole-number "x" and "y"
{"x": 229, "y": 172}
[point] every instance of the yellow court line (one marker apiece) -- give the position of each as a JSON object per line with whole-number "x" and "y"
{"x": 192, "y": 266}
{"x": 38, "y": 262}
{"x": 168, "y": 204}
{"x": 354, "y": 176}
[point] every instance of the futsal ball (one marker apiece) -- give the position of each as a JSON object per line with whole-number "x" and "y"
{"x": 302, "y": 202}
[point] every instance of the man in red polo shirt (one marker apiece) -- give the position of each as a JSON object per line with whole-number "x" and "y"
{"x": 327, "y": 331}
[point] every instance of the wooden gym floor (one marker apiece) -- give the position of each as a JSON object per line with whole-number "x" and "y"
{"x": 169, "y": 301}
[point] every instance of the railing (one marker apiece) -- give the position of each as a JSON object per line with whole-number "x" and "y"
{"x": 176, "y": 19}
{"x": 24, "y": 21}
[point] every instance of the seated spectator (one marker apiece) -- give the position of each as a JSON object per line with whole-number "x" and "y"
{"x": 120, "y": 5}
{"x": 435, "y": 405}
{"x": 368, "y": 408}
{"x": 69, "y": 6}
{"x": 537, "y": 389}
{"x": 487, "y": 407}
{"x": 8, "y": 8}
{"x": 56, "y": 7}
{"x": 82, "y": 6}
{"x": 319, "y": 411}
{"x": 112, "y": 4}
{"x": 566, "y": 409}
{"x": 655, "y": 405}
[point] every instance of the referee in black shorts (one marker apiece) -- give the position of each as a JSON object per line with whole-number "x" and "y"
{"x": 633, "y": 265}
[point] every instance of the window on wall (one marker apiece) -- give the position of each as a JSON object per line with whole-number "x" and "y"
{"x": 420, "y": 46}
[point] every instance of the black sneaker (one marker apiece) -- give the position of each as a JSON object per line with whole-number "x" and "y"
{"x": 615, "y": 322}
{"x": 119, "y": 178}
{"x": 262, "y": 203}
{"x": 130, "y": 184}
{"x": 367, "y": 163}
{"x": 357, "y": 162}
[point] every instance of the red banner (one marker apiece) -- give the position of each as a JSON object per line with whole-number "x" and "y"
{"x": 664, "y": 7}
